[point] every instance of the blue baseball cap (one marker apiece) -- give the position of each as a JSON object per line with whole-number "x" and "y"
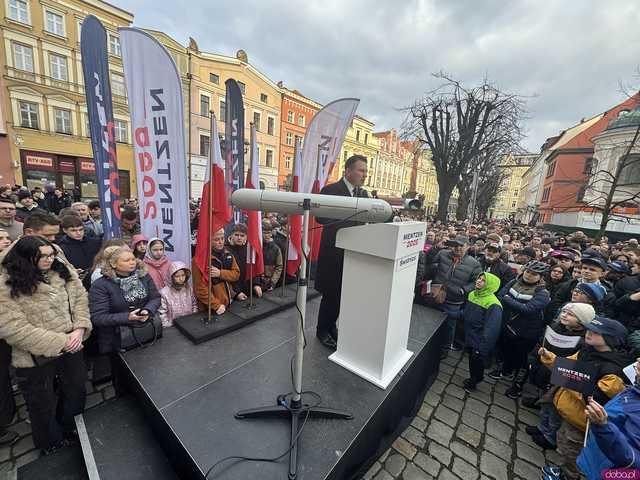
{"x": 607, "y": 326}
{"x": 619, "y": 267}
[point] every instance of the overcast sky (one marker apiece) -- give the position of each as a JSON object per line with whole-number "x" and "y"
{"x": 569, "y": 56}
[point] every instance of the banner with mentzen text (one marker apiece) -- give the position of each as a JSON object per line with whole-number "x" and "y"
{"x": 323, "y": 141}
{"x": 95, "y": 68}
{"x": 157, "y": 120}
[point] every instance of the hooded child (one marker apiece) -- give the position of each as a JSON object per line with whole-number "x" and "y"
{"x": 157, "y": 262}
{"x": 177, "y": 296}
{"x": 482, "y": 326}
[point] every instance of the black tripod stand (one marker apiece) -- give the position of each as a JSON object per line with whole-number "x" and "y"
{"x": 296, "y": 408}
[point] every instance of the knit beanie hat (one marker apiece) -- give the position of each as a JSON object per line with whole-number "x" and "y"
{"x": 582, "y": 311}
{"x": 594, "y": 291}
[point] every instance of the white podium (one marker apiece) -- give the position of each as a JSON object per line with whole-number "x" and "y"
{"x": 380, "y": 262}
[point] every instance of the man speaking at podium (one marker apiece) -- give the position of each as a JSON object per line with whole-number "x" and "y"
{"x": 329, "y": 273}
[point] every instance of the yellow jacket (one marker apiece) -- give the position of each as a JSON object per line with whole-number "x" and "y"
{"x": 570, "y": 404}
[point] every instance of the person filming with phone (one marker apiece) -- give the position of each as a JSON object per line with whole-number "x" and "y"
{"x": 125, "y": 294}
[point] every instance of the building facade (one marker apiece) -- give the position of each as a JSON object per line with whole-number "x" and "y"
{"x": 569, "y": 167}
{"x": 43, "y": 95}
{"x": 296, "y": 114}
{"x": 390, "y": 169}
{"x": 514, "y": 168}
{"x": 203, "y": 77}
{"x": 359, "y": 140}
{"x": 610, "y": 146}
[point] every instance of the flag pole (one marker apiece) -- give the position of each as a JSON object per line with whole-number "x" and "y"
{"x": 249, "y": 253}
{"x": 210, "y": 215}
{"x": 313, "y": 230}
{"x": 286, "y": 255}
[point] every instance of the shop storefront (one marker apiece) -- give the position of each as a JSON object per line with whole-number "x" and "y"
{"x": 41, "y": 168}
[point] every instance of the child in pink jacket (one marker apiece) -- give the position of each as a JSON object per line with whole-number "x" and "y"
{"x": 177, "y": 296}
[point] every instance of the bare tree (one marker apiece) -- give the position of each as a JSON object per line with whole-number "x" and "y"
{"x": 491, "y": 184}
{"x": 461, "y": 125}
{"x": 610, "y": 192}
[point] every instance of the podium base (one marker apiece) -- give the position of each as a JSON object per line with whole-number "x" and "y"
{"x": 373, "y": 376}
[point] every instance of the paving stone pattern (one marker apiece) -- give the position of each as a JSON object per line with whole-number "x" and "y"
{"x": 23, "y": 451}
{"x": 461, "y": 436}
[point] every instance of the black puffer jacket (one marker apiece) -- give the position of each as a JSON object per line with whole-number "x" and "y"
{"x": 499, "y": 269}
{"x": 524, "y": 314}
{"x": 459, "y": 278}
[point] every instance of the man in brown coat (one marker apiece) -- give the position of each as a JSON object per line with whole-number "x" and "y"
{"x": 224, "y": 271}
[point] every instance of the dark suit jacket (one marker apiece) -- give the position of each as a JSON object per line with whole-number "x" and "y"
{"x": 329, "y": 274}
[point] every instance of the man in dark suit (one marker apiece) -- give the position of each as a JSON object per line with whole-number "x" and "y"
{"x": 329, "y": 274}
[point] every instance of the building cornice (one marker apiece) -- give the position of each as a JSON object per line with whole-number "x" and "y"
{"x": 567, "y": 151}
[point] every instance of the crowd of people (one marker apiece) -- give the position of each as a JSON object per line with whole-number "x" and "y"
{"x": 516, "y": 298}
{"x": 67, "y": 294}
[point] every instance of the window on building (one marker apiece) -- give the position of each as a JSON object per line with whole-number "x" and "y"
{"x": 269, "y": 159}
{"x": 204, "y": 145}
{"x": 300, "y": 120}
{"x": 366, "y": 139}
{"x": 357, "y": 135}
{"x": 87, "y": 128}
{"x": 290, "y": 116}
{"x": 243, "y": 88}
{"x": 121, "y": 131}
{"x": 19, "y": 11}
{"x": 264, "y": 98}
{"x": 271, "y": 125}
{"x": 117, "y": 85}
{"x": 346, "y": 155}
{"x": 58, "y": 67}
{"x": 581, "y": 193}
{"x": 204, "y": 105}
{"x": 545, "y": 194}
{"x": 590, "y": 166}
{"x": 298, "y": 140}
{"x": 256, "y": 120}
{"x": 551, "y": 169}
{"x": 23, "y": 57}
{"x": 62, "y": 120}
{"x": 114, "y": 45}
{"x": 223, "y": 111}
{"x": 54, "y": 23}
{"x": 287, "y": 162}
{"x": 289, "y": 138}
{"x": 630, "y": 175}
{"x": 28, "y": 115}
{"x": 513, "y": 204}
{"x": 214, "y": 78}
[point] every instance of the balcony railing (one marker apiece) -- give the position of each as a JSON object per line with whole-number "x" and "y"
{"x": 39, "y": 79}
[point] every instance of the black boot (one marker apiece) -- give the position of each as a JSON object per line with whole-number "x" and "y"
{"x": 515, "y": 391}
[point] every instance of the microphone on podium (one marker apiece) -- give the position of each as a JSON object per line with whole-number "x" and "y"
{"x": 360, "y": 209}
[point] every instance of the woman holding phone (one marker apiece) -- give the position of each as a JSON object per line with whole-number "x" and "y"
{"x": 124, "y": 294}
{"x": 44, "y": 317}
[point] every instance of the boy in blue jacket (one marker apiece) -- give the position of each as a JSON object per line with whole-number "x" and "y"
{"x": 482, "y": 325}
{"x": 614, "y": 436}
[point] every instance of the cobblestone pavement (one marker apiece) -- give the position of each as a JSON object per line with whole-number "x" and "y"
{"x": 23, "y": 451}
{"x": 456, "y": 435}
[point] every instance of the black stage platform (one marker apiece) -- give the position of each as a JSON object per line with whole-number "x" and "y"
{"x": 239, "y": 314}
{"x": 190, "y": 393}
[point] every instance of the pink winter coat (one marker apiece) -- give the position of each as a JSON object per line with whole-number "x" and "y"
{"x": 157, "y": 269}
{"x": 176, "y": 303}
